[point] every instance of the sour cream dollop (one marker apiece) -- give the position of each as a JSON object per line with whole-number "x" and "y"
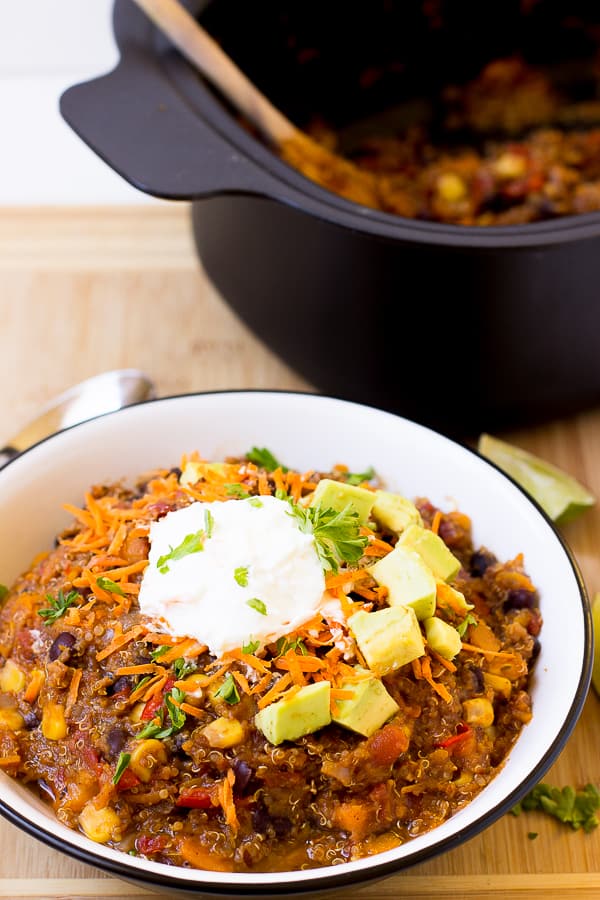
{"x": 256, "y": 578}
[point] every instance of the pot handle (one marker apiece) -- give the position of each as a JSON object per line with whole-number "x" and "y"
{"x": 137, "y": 122}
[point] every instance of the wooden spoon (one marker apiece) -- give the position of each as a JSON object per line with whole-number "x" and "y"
{"x": 313, "y": 160}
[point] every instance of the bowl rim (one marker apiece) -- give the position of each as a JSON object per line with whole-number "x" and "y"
{"x": 325, "y": 878}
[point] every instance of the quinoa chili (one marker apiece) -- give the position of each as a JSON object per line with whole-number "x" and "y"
{"x": 145, "y": 741}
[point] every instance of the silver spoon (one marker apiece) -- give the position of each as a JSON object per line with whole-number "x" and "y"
{"x": 100, "y": 394}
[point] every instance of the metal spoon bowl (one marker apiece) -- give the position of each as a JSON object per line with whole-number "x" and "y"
{"x": 100, "y": 394}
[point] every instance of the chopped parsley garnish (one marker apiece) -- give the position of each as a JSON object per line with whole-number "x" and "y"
{"x": 575, "y": 808}
{"x": 357, "y": 478}
{"x": 3, "y": 591}
{"x": 251, "y": 646}
{"x": 258, "y": 605}
{"x": 280, "y": 494}
{"x": 284, "y": 644}
{"x": 192, "y": 543}
{"x": 107, "y": 585}
{"x": 236, "y": 490}
{"x": 263, "y": 458}
{"x": 228, "y": 691}
{"x": 336, "y": 534}
{"x": 122, "y": 764}
{"x": 532, "y": 835}
{"x": 256, "y": 502}
{"x": 184, "y": 667}
{"x": 160, "y": 651}
{"x": 241, "y": 575}
{"x": 209, "y": 523}
{"x": 171, "y": 718}
{"x": 462, "y": 626}
{"x": 58, "y": 606}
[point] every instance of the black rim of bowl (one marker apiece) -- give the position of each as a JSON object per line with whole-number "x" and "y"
{"x": 333, "y": 877}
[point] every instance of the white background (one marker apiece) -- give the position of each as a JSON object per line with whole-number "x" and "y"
{"x": 46, "y": 46}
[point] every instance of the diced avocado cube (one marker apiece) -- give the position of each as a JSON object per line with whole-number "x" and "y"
{"x": 408, "y": 580}
{"x": 289, "y": 719}
{"x": 368, "y": 709}
{"x": 194, "y": 471}
{"x": 336, "y": 495}
{"x": 432, "y": 550}
{"x": 451, "y": 599}
{"x": 394, "y": 512}
{"x": 442, "y": 637}
{"x": 388, "y": 638}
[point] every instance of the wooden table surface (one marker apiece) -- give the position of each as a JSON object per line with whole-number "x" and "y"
{"x": 84, "y": 291}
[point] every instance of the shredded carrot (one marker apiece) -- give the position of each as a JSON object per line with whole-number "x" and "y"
{"x": 160, "y": 639}
{"x": 227, "y": 802}
{"x": 141, "y": 689}
{"x": 263, "y": 485}
{"x": 144, "y": 669}
{"x": 96, "y": 512}
{"x": 378, "y": 548}
{"x": 446, "y": 663}
{"x": 34, "y": 686}
{"x": 117, "y": 574}
{"x": 304, "y": 663}
{"x": 440, "y": 689}
{"x": 189, "y": 648}
{"x": 154, "y": 688}
{"x": 242, "y": 681}
{"x": 104, "y": 560}
{"x": 118, "y": 539}
{"x": 81, "y": 515}
{"x": 417, "y": 669}
{"x": 192, "y": 710}
{"x": 447, "y": 597}
{"x": 262, "y": 684}
{"x": 120, "y": 640}
{"x": 277, "y": 689}
{"x": 73, "y": 691}
{"x": 485, "y": 652}
{"x": 340, "y": 694}
{"x": 437, "y": 520}
{"x": 260, "y": 665}
{"x": 348, "y": 576}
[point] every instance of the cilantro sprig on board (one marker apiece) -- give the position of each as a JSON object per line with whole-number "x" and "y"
{"x": 579, "y": 809}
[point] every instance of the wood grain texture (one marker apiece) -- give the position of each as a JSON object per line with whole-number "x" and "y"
{"x": 83, "y": 291}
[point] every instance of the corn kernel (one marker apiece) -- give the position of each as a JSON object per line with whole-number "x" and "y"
{"x": 100, "y": 825}
{"x": 498, "y": 684}
{"x": 451, "y": 187}
{"x": 135, "y": 715}
{"x": 11, "y": 719}
{"x": 223, "y": 733}
{"x": 12, "y": 678}
{"x": 145, "y": 756}
{"x": 510, "y": 165}
{"x": 478, "y": 711}
{"x": 54, "y": 724}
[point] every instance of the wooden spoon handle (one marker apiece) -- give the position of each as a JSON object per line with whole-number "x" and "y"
{"x": 200, "y": 49}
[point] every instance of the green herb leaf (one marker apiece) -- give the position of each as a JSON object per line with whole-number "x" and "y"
{"x": 160, "y": 651}
{"x": 256, "y": 502}
{"x": 462, "y": 626}
{"x": 251, "y": 646}
{"x": 357, "y": 478}
{"x": 263, "y": 458}
{"x": 575, "y": 808}
{"x": 209, "y": 523}
{"x": 258, "y": 605}
{"x": 184, "y": 667}
{"x": 161, "y": 730}
{"x": 336, "y": 534}
{"x": 107, "y": 585}
{"x": 58, "y": 606}
{"x": 192, "y": 543}
{"x": 143, "y": 681}
{"x": 280, "y": 494}
{"x": 3, "y": 591}
{"x": 236, "y": 490}
{"x": 284, "y": 644}
{"x": 241, "y": 576}
{"x": 122, "y": 764}
{"x": 228, "y": 691}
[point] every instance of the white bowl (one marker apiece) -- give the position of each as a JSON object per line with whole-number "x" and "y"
{"x": 308, "y": 431}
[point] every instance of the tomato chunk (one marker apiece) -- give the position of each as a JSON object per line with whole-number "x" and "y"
{"x": 387, "y": 745}
{"x": 195, "y": 798}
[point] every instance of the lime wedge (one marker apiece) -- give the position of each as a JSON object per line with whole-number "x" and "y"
{"x": 596, "y": 624}
{"x": 559, "y": 495}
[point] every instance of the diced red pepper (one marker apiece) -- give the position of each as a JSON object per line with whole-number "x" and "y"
{"x": 462, "y": 731}
{"x": 195, "y": 798}
{"x": 127, "y": 781}
{"x": 154, "y": 703}
{"x": 148, "y": 845}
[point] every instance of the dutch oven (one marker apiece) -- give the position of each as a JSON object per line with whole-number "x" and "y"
{"x": 462, "y": 328}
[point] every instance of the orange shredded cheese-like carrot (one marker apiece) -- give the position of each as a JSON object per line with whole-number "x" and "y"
{"x": 118, "y": 539}
{"x": 120, "y": 640}
{"x": 34, "y": 687}
{"x": 485, "y": 652}
{"x": 277, "y": 689}
{"x": 227, "y": 802}
{"x": 437, "y": 519}
{"x": 440, "y": 689}
{"x": 341, "y": 694}
{"x": 304, "y": 663}
{"x": 73, "y": 691}
{"x": 348, "y": 576}
{"x": 446, "y": 663}
{"x": 160, "y": 639}
{"x": 192, "y": 710}
{"x": 189, "y": 648}
{"x": 242, "y": 681}
{"x": 260, "y": 665}
{"x": 143, "y": 669}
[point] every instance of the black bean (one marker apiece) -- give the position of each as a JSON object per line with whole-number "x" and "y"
{"x": 64, "y": 641}
{"x": 116, "y": 739}
{"x": 477, "y": 680}
{"x": 480, "y": 561}
{"x": 281, "y": 826}
{"x": 243, "y": 774}
{"x": 121, "y": 684}
{"x": 535, "y": 652}
{"x": 175, "y": 471}
{"x": 520, "y": 599}
{"x": 31, "y": 720}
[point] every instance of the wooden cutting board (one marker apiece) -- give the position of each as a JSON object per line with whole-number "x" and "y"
{"x": 83, "y": 291}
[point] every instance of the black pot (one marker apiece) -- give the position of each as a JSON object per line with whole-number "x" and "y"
{"x": 462, "y": 328}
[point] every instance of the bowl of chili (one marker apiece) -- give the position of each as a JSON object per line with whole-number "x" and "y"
{"x": 511, "y": 558}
